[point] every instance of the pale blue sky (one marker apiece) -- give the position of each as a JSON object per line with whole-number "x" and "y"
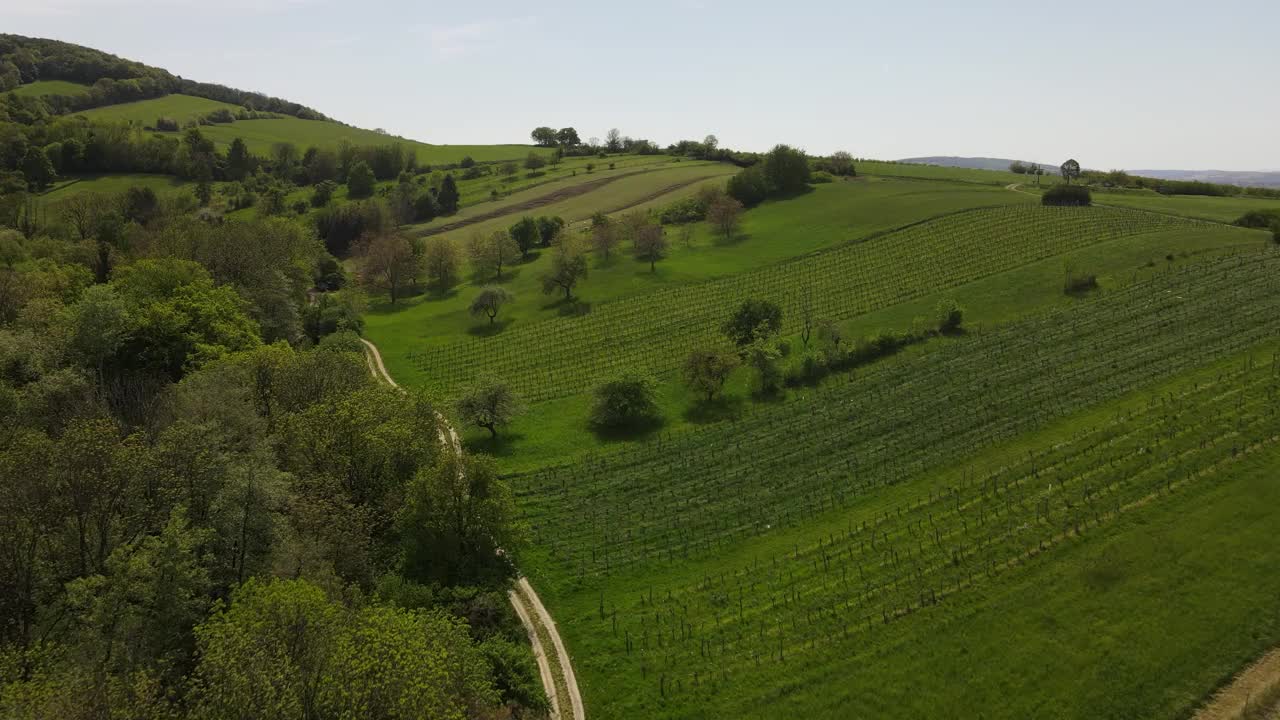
{"x": 1117, "y": 84}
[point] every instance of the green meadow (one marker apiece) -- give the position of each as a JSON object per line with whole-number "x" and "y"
{"x": 49, "y": 87}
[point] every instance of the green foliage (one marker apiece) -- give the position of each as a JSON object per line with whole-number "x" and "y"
{"x": 568, "y": 267}
{"x": 448, "y": 196}
{"x": 489, "y": 404}
{"x": 283, "y": 649}
{"x": 1067, "y": 196}
{"x": 456, "y": 517}
{"x": 753, "y": 319}
{"x": 707, "y": 369}
{"x": 626, "y": 403}
{"x": 949, "y": 316}
{"x": 549, "y": 228}
{"x": 526, "y": 234}
{"x": 786, "y": 170}
{"x": 1259, "y": 219}
{"x": 322, "y": 193}
{"x": 360, "y": 181}
{"x": 749, "y": 187}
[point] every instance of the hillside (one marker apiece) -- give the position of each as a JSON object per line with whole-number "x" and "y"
{"x": 1224, "y": 177}
{"x": 973, "y": 163}
{"x": 304, "y": 420}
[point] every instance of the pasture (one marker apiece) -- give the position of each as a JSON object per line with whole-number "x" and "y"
{"x": 49, "y": 87}
{"x": 703, "y": 573}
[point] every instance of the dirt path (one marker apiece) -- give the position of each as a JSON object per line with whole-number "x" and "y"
{"x": 528, "y": 606}
{"x": 1253, "y": 689}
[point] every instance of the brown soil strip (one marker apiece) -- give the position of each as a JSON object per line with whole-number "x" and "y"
{"x": 530, "y": 204}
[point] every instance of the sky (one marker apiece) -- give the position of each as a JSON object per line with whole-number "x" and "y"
{"x": 1128, "y": 84}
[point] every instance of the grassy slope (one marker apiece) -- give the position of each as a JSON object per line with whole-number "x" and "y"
{"x": 112, "y": 184}
{"x": 49, "y": 87}
{"x": 1172, "y": 621}
{"x": 260, "y": 135}
{"x": 556, "y": 431}
{"x": 830, "y": 215}
{"x": 933, "y": 172}
{"x": 145, "y": 112}
{"x": 1219, "y": 209}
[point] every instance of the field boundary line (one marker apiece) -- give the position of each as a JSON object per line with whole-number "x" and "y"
{"x": 523, "y": 591}
{"x": 1251, "y": 684}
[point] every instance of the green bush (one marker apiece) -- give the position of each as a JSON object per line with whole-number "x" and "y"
{"x": 629, "y": 402}
{"x": 749, "y": 187}
{"x": 1259, "y": 219}
{"x": 822, "y": 177}
{"x": 1067, "y": 196}
{"x": 950, "y": 315}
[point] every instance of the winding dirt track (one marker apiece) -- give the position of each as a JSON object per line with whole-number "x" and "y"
{"x": 1252, "y": 684}
{"x": 528, "y": 606}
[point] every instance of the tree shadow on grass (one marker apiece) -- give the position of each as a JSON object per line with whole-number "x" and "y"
{"x": 736, "y": 239}
{"x": 488, "y": 329}
{"x": 506, "y": 444}
{"x": 725, "y": 407}
{"x": 634, "y": 431}
{"x": 572, "y": 307}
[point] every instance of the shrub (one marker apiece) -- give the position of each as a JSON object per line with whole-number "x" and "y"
{"x": 167, "y": 124}
{"x": 822, "y": 177}
{"x": 466, "y": 162}
{"x": 221, "y": 115}
{"x": 1259, "y": 219}
{"x": 686, "y": 210}
{"x": 753, "y": 319}
{"x": 1067, "y": 196}
{"x": 787, "y": 170}
{"x": 749, "y": 187}
{"x": 950, "y": 315}
{"x": 628, "y": 402}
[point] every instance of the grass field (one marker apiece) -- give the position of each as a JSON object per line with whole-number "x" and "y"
{"x": 830, "y": 215}
{"x": 49, "y": 87}
{"x": 1217, "y": 209}
{"x": 145, "y": 112}
{"x": 260, "y": 135}
{"x": 951, "y": 174}
{"x": 868, "y": 534}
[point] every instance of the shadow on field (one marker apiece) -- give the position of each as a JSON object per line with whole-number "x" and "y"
{"x": 509, "y": 273}
{"x": 725, "y": 407}
{"x": 575, "y": 307}
{"x": 638, "y": 431}
{"x": 736, "y": 239}
{"x": 488, "y": 329}
{"x": 505, "y": 445}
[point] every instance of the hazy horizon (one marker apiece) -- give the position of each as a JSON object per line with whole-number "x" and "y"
{"x": 1149, "y": 86}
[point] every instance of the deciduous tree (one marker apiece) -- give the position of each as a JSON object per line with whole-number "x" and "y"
{"x": 707, "y": 369}
{"x": 390, "y": 264}
{"x": 490, "y": 301}
{"x": 490, "y": 253}
{"x": 489, "y": 405}
{"x": 650, "y": 243}
{"x": 725, "y": 214}
{"x": 442, "y": 262}
{"x": 568, "y": 266}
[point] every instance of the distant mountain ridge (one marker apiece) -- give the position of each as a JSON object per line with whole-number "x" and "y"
{"x": 972, "y": 163}
{"x": 1246, "y": 178}
{"x": 1243, "y": 178}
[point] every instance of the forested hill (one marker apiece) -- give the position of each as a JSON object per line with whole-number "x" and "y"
{"x": 108, "y": 80}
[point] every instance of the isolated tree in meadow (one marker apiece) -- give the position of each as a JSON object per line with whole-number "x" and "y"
{"x": 604, "y": 237}
{"x": 508, "y": 168}
{"x": 360, "y": 181}
{"x": 786, "y": 169}
{"x": 490, "y": 301}
{"x": 544, "y": 136}
{"x": 489, "y": 404}
{"x": 534, "y": 161}
{"x": 1070, "y": 170}
{"x": 709, "y": 145}
{"x": 949, "y": 316}
{"x": 490, "y": 253}
{"x": 627, "y": 402}
{"x": 707, "y": 369}
{"x": 725, "y": 214}
{"x": 753, "y": 319}
{"x": 441, "y": 262}
{"x": 613, "y": 140}
{"x": 568, "y": 267}
{"x": 447, "y": 198}
{"x": 650, "y": 244}
{"x": 549, "y": 228}
{"x": 568, "y": 137}
{"x": 1018, "y": 167}
{"x": 525, "y": 233}
{"x": 390, "y": 264}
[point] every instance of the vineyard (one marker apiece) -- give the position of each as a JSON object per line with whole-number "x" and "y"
{"x": 650, "y": 511}
{"x": 651, "y": 333}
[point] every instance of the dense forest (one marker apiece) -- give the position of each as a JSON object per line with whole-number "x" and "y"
{"x": 211, "y": 508}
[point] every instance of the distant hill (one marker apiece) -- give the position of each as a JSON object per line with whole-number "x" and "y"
{"x": 1245, "y": 178}
{"x": 973, "y": 163}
